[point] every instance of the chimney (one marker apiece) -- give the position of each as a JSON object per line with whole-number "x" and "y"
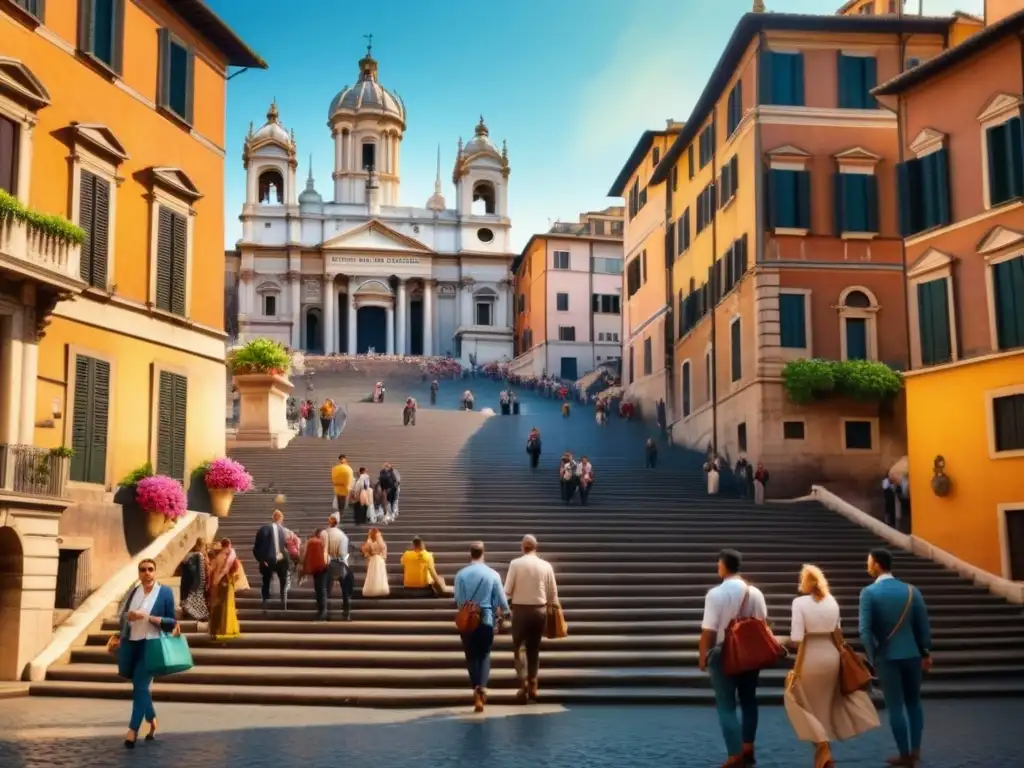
{"x": 373, "y": 193}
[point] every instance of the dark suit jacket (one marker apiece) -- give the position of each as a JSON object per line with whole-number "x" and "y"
{"x": 264, "y": 548}
{"x": 881, "y": 605}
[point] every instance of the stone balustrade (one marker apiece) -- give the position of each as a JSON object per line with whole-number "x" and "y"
{"x": 29, "y": 249}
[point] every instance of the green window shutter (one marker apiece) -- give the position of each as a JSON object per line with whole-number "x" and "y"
{"x": 686, "y": 389}
{"x": 736, "y": 350}
{"x": 797, "y": 75}
{"x": 765, "y": 77}
{"x": 164, "y": 258}
{"x": 904, "y": 200}
{"x": 997, "y": 144}
{"x": 689, "y": 159}
{"x": 1015, "y": 157}
{"x": 1008, "y": 286}
{"x": 856, "y": 338}
{"x": 172, "y": 417}
{"x": 86, "y": 193}
{"x": 163, "y": 90}
{"x": 783, "y": 198}
{"x": 940, "y": 170}
{"x": 744, "y": 255}
{"x": 869, "y": 81}
{"x": 101, "y": 415}
{"x": 803, "y": 199}
{"x": 86, "y": 25}
{"x": 871, "y": 202}
{"x": 792, "y": 320}
{"x": 100, "y": 239}
{"x": 838, "y": 203}
{"x": 847, "y": 78}
{"x": 117, "y": 60}
{"x": 190, "y": 86}
{"x": 929, "y": 193}
{"x": 856, "y": 215}
{"x": 81, "y": 420}
{"x": 933, "y": 322}
{"x": 89, "y": 420}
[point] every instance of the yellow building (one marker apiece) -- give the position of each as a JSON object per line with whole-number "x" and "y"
{"x": 111, "y": 127}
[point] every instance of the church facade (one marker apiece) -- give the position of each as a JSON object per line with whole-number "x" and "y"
{"x": 362, "y": 272}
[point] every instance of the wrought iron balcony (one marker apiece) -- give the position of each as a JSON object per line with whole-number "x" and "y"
{"x": 35, "y": 253}
{"x": 33, "y": 471}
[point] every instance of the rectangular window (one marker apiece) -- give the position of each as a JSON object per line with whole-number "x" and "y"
{"x": 9, "y": 133}
{"x": 369, "y": 155}
{"x": 792, "y": 430}
{"x": 793, "y": 320}
{"x": 856, "y": 338}
{"x": 36, "y": 8}
{"x": 675, "y": 177}
{"x": 655, "y": 156}
{"x": 686, "y": 389}
{"x": 736, "y": 349}
{"x": 734, "y": 108}
{"x": 567, "y": 333}
{"x": 177, "y": 75}
{"x": 1008, "y": 420}
{"x": 648, "y": 357}
{"x": 782, "y": 79}
{"x": 683, "y": 231}
{"x": 856, "y": 202}
{"x": 633, "y": 277}
{"x": 706, "y": 144}
{"x": 741, "y": 436}
{"x": 729, "y": 180}
{"x": 922, "y": 186}
{"x": 689, "y": 160}
{"x": 606, "y": 304}
{"x": 857, "y": 435}
{"x": 270, "y": 305}
{"x": 172, "y": 411}
{"x": 172, "y": 243}
{"x": 705, "y": 207}
{"x": 562, "y": 302}
{"x": 1005, "y": 162}
{"x": 94, "y": 219}
{"x": 89, "y": 423}
{"x": 560, "y": 259}
{"x": 101, "y": 31}
{"x": 483, "y": 313}
{"x": 606, "y": 266}
{"x": 1008, "y": 287}
{"x": 789, "y": 199}
{"x": 857, "y": 76}
{"x": 933, "y": 321}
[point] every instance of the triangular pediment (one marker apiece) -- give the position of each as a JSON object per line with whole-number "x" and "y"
{"x": 927, "y": 139}
{"x": 999, "y": 105}
{"x": 999, "y": 238}
{"x": 21, "y": 84}
{"x": 175, "y": 181}
{"x": 858, "y": 154}
{"x": 788, "y": 150}
{"x": 100, "y": 139}
{"x": 375, "y": 236}
{"x": 929, "y": 261}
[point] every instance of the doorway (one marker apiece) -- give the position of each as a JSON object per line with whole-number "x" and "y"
{"x": 1015, "y": 543}
{"x": 372, "y": 330}
{"x": 416, "y": 327}
{"x": 569, "y": 369}
{"x": 314, "y": 331}
{"x": 11, "y": 573}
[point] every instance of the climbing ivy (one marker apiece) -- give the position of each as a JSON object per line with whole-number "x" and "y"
{"x": 807, "y": 380}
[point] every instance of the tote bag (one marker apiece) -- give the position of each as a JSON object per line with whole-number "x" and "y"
{"x": 749, "y": 644}
{"x": 167, "y": 655}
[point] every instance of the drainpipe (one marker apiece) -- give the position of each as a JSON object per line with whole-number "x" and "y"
{"x": 715, "y": 288}
{"x": 671, "y": 320}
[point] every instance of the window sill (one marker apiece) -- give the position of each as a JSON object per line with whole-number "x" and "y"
{"x": 28, "y": 19}
{"x": 728, "y": 204}
{"x": 1003, "y": 203}
{"x": 859, "y": 451}
{"x": 1010, "y": 454}
{"x": 174, "y": 117}
{"x": 163, "y": 314}
{"x": 792, "y": 231}
{"x": 98, "y": 64}
{"x": 102, "y": 294}
{"x": 858, "y": 235}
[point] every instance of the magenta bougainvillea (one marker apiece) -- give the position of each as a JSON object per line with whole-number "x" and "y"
{"x": 160, "y": 493}
{"x": 228, "y": 475}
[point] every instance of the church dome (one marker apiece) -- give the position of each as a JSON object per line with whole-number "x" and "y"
{"x": 272, "y": 130}
{"x": 481, "y": 142}
{"x": 368, "y": 95}
{"x": 309, "y": 196}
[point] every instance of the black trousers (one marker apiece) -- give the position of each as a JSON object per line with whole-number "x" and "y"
{"x": 568, "y": 490}
{"x": 652, "y": 460}
{"x": 325, "y": 426}
{"x": 534, "y": 459}
{"x": 268, "y": 571}
{"x": 336, "y": 571}
{"x": 527, "y": 632}
{"x": 359, "y": 513}
{"x": 890, "y": 507}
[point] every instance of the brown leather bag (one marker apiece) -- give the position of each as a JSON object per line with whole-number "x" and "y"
{"x": 854, "y": 674}
{"x": 555, "y": 627}
{"x": 749, "y": 644}
{"x": 468, "y": 617}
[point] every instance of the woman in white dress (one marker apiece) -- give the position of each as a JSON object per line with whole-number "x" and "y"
{"x": 375, "y": 550}
{"x": 815, "y": 704}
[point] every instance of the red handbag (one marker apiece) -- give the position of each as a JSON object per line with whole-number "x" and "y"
{"x": 749, "y": 644}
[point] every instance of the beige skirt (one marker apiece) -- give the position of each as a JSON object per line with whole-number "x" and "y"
{"x": 816, "y": 708}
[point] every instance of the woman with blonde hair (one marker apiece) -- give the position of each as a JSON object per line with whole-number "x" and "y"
{"x": 375, "y": 550}
{"x": 815, "y": 704}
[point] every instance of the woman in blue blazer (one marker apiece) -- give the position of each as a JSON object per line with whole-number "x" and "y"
{"x": 147, "y": 612}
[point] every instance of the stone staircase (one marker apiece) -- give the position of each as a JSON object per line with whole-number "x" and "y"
{"x": 632, "y": 567}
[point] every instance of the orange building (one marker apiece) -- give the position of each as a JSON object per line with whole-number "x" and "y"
{"x": 646, "y": 332}
{"x": 112, "y": 267}
{"x": 786, "y": 244}
{"x": 962, "y": 211}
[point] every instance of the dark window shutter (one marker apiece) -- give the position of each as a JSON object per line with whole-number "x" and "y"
{"x": 856, "y": 338}
{"x": 101, "y": 414}
{"x": 744, "y": 254}
{"x": 689, "y": 159}
{"x": 89, "y": 420}
{"x": 172, "y": 411}
{"x": 940, "y": 168}
{"x": 686, "y": 389}
{"x": 838, "y": 203}
{"x": 164, "y": 259}
{"x": 904, "y": 201}
{"x": 933, "y": 321}
{"x": 1008, "y": 286}
{"x": 797, "y": 73}
{"x": 9, "y": 133}
{"x": 871, "y": 202}
{"x": 803, "y": 194}
{"x": 81, "y": 419}
{"x": 792, "y": 320}
{"x": 869, "y": 68}
{"x": 736, "y": 350}
{"x": 86, "y": 216}
{"x": 117, "y": 63}
{"x": 100, "y": 239}
{"x": 1008, "y": 420}
{"x": 734, "y": 174}
{"x": 765, "y": 76}
{"x": 163, "y": 37}
{"x": 1015, "y": 156}
{"x": 179, "y": 265}
{"x": 86, "y": 25}
{"x": 847, "y": 79}
{"x": 190, "y": 86}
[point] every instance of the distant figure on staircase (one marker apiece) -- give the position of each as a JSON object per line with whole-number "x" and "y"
{"x": 585, "y": 478}
{"x": 419, "y": 570}
{"x": 567, "y": 477}
{"x": 744, "y": 470}
{"x": 375, "y": 550}
{"x": 566, "y": 410}
{"x": 533, "y": 447}
{"x": 600, "y": 414}
{"x": 409, "y": 412}
{"x": 226, "y": 578}
{"x": 434, "y": 386}
{"x": 889, "y": 486}
{"x": 305, "y": 414}
{"x": 271, "y": 552}
{"x": 713, "y": 469}
{"x": 378, "y": 392}
{"x": 650, "y": 453}
{"x": 467, "y": 400}
{"x": 760, "y": 483}
{"x": 531, "y": 588}
{"x": 195, "y": 574}
{"x": 361, "y": 496}
{"x": 326, "y": 417}
{"x": 480, "y": 584}
{"x": 314, "y": 565}
{"x": 341, "y": 482}
{"x": 389, "y": 481}
{"x": 336, "y": 544}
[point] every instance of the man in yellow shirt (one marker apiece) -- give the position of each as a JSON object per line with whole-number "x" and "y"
{"x": 419, "y": 569}
{"x": 341, "y": 479}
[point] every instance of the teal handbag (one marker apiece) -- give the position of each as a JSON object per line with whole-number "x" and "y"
{"x": 168, "y": 655}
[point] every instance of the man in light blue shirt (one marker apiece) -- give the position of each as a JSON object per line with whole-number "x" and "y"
{"x": 480, "y": 584}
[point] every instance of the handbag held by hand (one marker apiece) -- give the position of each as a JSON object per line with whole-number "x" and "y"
{"x": 555, "y": 627}
{"x": 749, "y": 644}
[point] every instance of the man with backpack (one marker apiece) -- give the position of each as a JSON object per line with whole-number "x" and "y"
{"x": 479, "y": 595}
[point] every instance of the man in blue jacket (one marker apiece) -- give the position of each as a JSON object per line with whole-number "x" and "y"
{"x": 896, "y": 635}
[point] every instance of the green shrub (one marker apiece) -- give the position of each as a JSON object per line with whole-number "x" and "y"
{"x": 865, "y": 380}
{"x": 807, "y": 379}
{"x": 47, "y": 223}
{"x": 260, "y": 356}
{"x": 133, "y": 477}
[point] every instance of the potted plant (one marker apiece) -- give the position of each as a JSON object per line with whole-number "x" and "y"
{"x": 260, "y": 356}
{"x": 260, "y": 369}
{"x": 224, "y": 478}
{"x": 162, "y": 500}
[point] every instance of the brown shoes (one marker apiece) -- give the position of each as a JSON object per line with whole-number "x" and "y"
{"x": 823, "y": 756}
{"x": 531, "y": 689}
{"x": 748, "y": 755}
{"x": 479, "y": 699}
{"x": 906, "y": 761}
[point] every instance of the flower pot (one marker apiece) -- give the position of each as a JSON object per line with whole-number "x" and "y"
{"x": 156, "y": 523}
{"x": 220, "y": 501}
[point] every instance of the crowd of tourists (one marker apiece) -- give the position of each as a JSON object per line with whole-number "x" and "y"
{"x": 316, "y": 419}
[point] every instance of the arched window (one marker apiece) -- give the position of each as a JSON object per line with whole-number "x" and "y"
{"x": 271, "y": 187}
{"x": 483, "y": 306}
{"x": 369, "y": 156}
{"x": 858, "y": 328}
{"x": 483, "y": 199}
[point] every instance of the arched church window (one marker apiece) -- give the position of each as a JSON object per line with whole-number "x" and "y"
{"x": 271, "y": 187}
{"x": 483, "y": 198}
{"x": 369, "y": 156}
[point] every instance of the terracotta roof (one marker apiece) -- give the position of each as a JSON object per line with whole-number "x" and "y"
{"x": 643, "y": 146}
{"x": 203, "y": 20}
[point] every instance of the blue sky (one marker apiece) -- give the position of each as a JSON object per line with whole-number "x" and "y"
{"x": 570, "y": 84}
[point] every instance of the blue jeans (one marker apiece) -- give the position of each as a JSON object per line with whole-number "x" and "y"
{"x": 727, "y": 689}
{"x": 142, "y": 697}
{"x": 901, "y": 687}
{"x": 477, "y": 647}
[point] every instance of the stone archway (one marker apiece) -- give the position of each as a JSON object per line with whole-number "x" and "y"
{"x": 12, "y": 569}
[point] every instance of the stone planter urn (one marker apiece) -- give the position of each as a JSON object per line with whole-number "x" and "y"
{"x": 220, "y": 501}
{"x": 156, "y": 523}
{"x": 263, "y": 410}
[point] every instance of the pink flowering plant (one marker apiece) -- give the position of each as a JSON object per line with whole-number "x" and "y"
{"x": 160, "y": 493}
{"x": 228, "y": 474}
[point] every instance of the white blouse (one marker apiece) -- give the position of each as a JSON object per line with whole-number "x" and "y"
{"x": 143, "y": 629}
{"x": 811, "y": 616}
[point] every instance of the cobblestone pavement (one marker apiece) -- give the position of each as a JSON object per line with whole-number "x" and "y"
{"x": 38, "y": 732}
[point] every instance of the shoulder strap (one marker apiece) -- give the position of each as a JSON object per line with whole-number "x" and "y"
{"x": 903, "y": 616}
{"x": 476, "y": 591}
{"x": 743, "y": 602}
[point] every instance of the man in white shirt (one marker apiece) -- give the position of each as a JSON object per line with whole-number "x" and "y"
{"x": 530, "y": 586}
{"x": 733, "y": 598}
{"x": 336, "y": 546}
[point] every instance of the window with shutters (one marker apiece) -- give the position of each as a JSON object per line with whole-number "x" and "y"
{"x": 689, "y": 161}
{"x": 172, "y": 412}
{"x": 781, "y": 79}
{"x": 90, "y": 419}
{"x": 706, "y": 144}
{"x": 736, "y": 349}
{"x": 176, "y": 68}
{"x": 94, "y": 219}
{"x": 648, "y": 356}
{"x": 858, "y": 75}
{"x": 857, "y": 319}
{"x": 567, "y": 333}
{"x": 9, "y": 133}
{"x": 734, "y": 108}
{"x": 683, "y": 231}
{"x": 1008, "y": 296}
{"x": 562, "y": 302}
{"x": 171, "y": 261}
{"x": 933, "y": 321}
{"x": 1008, "y": 423}
{"x": 606, "y": 303}
{"x": 270, "y": 305}
{"x": 741, "y": 436}
{"x": 34, "y": 8}
{"x": 856, "y": 202}
{"x": 728, "y": 181}
{"x": 1005, "y": 162}
{"x": 793, "y": 320}
{"x": 687, "y": 385}
{"x": 101, "y": 32}
{"x": 789, "y": 199}
{"x": 922, "y": 186}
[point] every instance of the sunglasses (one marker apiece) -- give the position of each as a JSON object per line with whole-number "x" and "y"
{"x": 146, "y": 569}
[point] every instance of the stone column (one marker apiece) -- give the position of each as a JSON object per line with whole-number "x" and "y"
{"x": 295, "y": 280}
{"x": 501, "y": 321}
{"x": 352, "y": 321}
{"x": 400, "y": 347}
{"x": 391, "y": 329}
{"x": 330, "y": 322}
{"x": 429, "y": 286}
{"x": 466, "y": 318}
{"x": 11, "y": 361}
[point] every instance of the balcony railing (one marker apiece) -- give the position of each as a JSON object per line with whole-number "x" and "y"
{"x": 33, "y": 471}
{"x": 37, "y": 253}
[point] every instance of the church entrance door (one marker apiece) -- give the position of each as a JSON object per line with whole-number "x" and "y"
{"x": 314, "y": 339}
{"x": 416, "y": 328}
{"x": 372, "y": 330}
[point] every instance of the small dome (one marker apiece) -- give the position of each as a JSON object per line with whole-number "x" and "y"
{"x": 272, "y": 130}
{"x": 480, "y": 142}
{"x": 368, "y": 95}
{"x": 309, "y": 196}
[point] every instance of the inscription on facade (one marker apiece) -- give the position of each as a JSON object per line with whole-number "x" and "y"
{"x": 372, "y": 260}
{"x": 311, "y": 290}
